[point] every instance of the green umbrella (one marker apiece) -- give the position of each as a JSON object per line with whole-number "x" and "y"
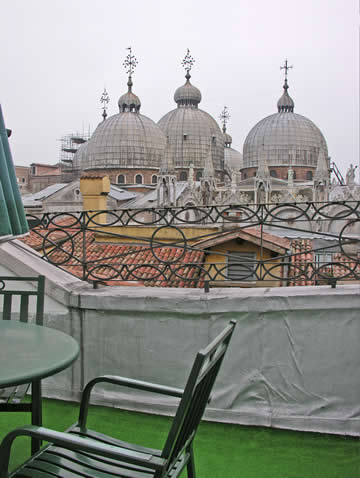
{"x": 12, "y": 216}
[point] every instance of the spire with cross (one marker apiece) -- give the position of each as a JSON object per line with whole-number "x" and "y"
{"x": 104, "y": 100}
{"x": 130, "y": 64}
{"x": 224, "y": 117}
{"x": 286, "y": 68}
{"x": 187, "y": 63}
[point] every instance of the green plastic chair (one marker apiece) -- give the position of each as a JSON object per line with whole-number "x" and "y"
{"x": 80, "y": 452}
{"x": 16, "y": 303}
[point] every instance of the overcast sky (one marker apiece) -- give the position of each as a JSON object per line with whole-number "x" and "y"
{"x": 57, "y": 56}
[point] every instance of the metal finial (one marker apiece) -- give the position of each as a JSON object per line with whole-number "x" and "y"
{"x": 130, "y": 62}
{"x": 104, "y": 100}
{"x": 286, "y": 68}
{"x": 224, "y": 117}
{"x": 188, "y": 63}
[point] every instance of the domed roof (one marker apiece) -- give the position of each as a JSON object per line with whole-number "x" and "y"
{"x": 285, "y": 103}
{"x": 80, "y": 156}
{"x": 127, "y": 139}
{"x": 284, "y": 138}
{"x": 129, "y": 101}
{"x": 227, "y": 139}
{"x": 187, "y": 94}
{"x": 191, "y": 133}
{"x": 233, "y": 160}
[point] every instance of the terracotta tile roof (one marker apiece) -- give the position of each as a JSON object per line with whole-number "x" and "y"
{"x": 301, "y": 262}
{"x": 137, "y": 263}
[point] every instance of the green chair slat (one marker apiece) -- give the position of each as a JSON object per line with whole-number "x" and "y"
{"x": 92, "y": 467}
{"x": 103, "y": 463}
{"x": 7, "y": 307}
{"x": 24, "y": 308}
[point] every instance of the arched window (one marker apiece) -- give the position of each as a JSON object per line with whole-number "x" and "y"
{"x": 198, "y": 175}
{"x": 309, "y": 175}
{"x": 183, "y": 176}
{"x": 154, "y": 179}
{"x": 138, "y": 179}
{"x": 121, "y": 179}
{"x": 273, "y": 173}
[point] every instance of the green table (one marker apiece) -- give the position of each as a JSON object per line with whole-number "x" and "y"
{"x": 29, "y": 353}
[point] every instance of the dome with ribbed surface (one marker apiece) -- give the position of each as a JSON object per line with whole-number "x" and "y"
{"x": 187, "y": 95}
{"x": 129, "y": 101}
{"x": 280, "y": 136}
{"x": 285, "y": 103}
{"x": 284, "y": 138}
{"x": 126, "y": 139}
{"x": 191, "y": 133}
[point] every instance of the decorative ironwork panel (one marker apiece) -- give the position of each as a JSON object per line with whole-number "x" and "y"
{"x": 290, "y": 244}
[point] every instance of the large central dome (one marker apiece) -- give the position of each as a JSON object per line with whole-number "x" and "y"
{"x": 192, "y": 133}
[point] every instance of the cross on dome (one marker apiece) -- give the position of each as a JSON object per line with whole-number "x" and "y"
{"x": 130, "y": 62}
{"x": 187, "y": 63}
{"x": 224, "y": 117}
{"x": 286, "y": 68}
{"x": 104, "y": 100}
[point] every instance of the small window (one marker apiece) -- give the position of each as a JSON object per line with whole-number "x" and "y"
{"x": 183, "y": 176}
{"x": 138, "y": 179}
{"x": 198, "y": 175}
{"x": 322, "y": 258}
{"x": 154, "y": 179}
{"x": 245, "y": 175}
{"x": 214, "y": 140}
{"x": 121, "y": 179}
{"x": 23, "y": 180}
{"x": 309, "y": 175}
{"x": 33, "y": 170}
{"x": 294, "y": 174}
{"x": 241, "y": 266}
{"x": 273, "y": 173}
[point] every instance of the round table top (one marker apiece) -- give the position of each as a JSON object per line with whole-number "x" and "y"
{"x": 30, "y": 352}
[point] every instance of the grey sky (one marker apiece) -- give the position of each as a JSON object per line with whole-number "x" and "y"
{"x": 57, "y": 56}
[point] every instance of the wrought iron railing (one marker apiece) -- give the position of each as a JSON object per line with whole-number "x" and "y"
{"x": 235, "y": 245}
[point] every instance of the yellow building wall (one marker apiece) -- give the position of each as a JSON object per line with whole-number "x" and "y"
{"x": 216, "y": 256}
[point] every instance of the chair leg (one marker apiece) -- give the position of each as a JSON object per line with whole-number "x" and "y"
{"x": 190, "y": 467}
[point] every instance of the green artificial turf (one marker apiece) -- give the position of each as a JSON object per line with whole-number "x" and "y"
{"x": 221, "y": 451}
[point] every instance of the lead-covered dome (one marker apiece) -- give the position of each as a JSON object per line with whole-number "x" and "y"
{"x": 125, "y": 140}
{"x": 187, "y": 94}
{"x": 192, "y": 132}
{"x": 284, "y": 138}
{"x": 233, "y": 159}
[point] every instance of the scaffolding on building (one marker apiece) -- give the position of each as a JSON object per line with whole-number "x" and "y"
{"x": 70, "y": 143}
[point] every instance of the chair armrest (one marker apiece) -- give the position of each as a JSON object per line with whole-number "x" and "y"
{"x": 74, "y": 442}
{"x": 126, "y": 382}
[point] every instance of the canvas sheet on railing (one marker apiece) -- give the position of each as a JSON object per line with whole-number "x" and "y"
{"x": 293, "y": 362}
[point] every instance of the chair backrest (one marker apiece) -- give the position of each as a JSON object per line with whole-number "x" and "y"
{"x": 21, "y": 289}
{"x": 196, "y": 395}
